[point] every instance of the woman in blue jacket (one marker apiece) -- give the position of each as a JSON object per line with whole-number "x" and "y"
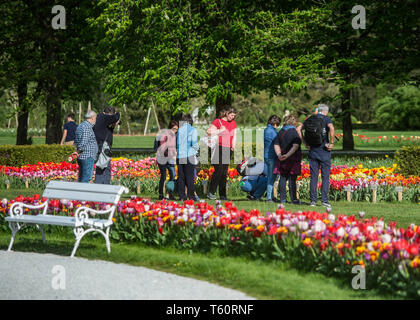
{"x": 187, "y": 157}
{"x": 270, "y": 157}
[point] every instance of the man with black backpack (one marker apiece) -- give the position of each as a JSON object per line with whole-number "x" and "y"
{"x": 318, "y": 132}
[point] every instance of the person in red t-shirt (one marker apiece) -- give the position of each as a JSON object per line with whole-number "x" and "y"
{"x": 225, "y": 128}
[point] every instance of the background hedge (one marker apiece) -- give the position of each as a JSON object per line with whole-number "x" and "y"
{"x": 408, "y": 160}
{"x": 30, "y": 154}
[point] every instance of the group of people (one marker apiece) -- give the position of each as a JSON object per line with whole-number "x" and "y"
{"x": 178, "y": 145}
{"x": 88, "y": 139}
{"x": 283, "y": 157}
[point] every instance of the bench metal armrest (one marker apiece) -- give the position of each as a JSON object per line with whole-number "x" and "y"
{"x": 82, "y": 213}
{"x": 18, "y": 208}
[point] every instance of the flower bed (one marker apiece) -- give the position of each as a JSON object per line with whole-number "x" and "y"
{"x": 313, "y": 241}
{"x": 145, "y": 175}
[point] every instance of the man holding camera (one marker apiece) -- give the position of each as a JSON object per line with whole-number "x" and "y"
{"x": 254, "y": 181}
{"x": 104, "y": 129}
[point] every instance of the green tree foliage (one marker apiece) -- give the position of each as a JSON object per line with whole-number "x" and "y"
{"x": 173, "y": 51}
{"x": 59, "y": 61}
{"x": 385, "y": 51}
{"x": 400, "y": 110}
{"x": 18, "y": 59}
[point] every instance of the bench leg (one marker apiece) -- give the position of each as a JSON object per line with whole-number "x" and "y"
{"x": 108, "y": 244}
{"x": 40, "y": 228}
{"x": 15, "y": 228}
{"x": 80, "y": 233}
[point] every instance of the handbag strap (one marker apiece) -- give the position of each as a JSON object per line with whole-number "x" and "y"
{"x": 102, "y": 147}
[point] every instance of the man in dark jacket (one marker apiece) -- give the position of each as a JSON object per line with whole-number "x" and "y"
{"x": 104, "y": 129}
{"x": 320, "y": 156}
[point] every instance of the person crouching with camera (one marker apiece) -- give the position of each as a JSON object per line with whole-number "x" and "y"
{"x": 254, "y": 181}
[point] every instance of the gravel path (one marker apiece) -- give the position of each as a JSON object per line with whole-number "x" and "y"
{"x": 38, "y": 276}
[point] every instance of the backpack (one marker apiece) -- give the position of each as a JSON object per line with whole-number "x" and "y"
{"x": 314, "y": 127}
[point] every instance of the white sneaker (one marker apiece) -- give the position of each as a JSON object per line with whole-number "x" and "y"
{"x": 326, "y": 204}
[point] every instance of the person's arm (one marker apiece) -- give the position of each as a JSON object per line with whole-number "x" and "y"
{"x": 299, "y": 131}
{"x": 234, "y": 140}
{"x": 81, "y": 141}
{"x": 277, "y": 150}
{"x": 112, "y": 118}
{"x": 330, "y": 146}
{"x": 194, "y": 140}
{"x": 292, "y": 150}
{"x": 213, "y": 131}
{"x": 64, "y": 137}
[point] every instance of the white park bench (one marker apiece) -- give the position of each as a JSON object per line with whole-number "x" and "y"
{"x": 81, "y": 222}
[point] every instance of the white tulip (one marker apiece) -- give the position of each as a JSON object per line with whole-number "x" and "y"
{"x": 340, "y": 232}
{"x": 386, "y": 238}
{"x": 354, "y": 231}
{"x": 286, "y": 222}
{"x": 302, "y": 225}
{"x": 319, "y": 226}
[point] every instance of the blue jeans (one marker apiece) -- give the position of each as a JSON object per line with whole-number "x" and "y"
{"x": 186, "y": 178}
{"x": 162, "y": 169}
{"x": 255, "y": 187}
{"x": 85, "y": 169}
{"x": 271, "y": 178}
{"x": 323, "y": 163}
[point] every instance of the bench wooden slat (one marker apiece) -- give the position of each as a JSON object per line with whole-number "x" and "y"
{"x": 87, "y": 187}
{"x": 47, "y": 219}
{"x": 56, "y": 220}
{"x": 80, "y": 196}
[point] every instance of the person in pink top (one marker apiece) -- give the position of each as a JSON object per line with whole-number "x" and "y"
{"x": 166, "y": 155}
{"x": 225, "y": 128}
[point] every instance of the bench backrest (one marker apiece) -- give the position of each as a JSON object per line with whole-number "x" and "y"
{"x": 84, "y": 191}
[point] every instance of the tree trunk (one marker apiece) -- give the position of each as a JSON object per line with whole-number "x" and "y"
{"x": 54, "y": 121}
{"x": 23, "y": 114}
{"x": 348, "y": 141}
